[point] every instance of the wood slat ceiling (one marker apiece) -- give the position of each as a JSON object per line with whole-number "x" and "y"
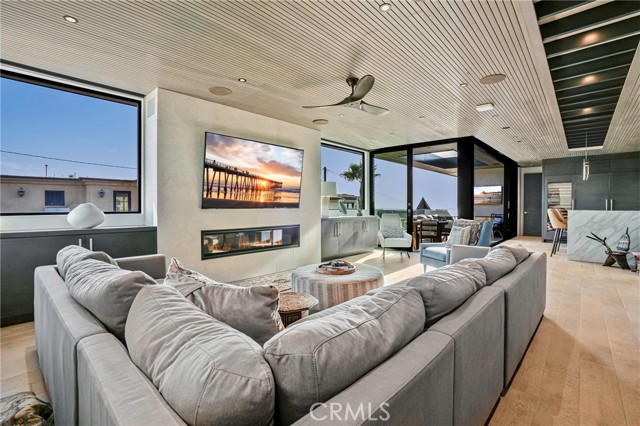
{"x": 590, "y": 47}
{"x": 296, "y": 53}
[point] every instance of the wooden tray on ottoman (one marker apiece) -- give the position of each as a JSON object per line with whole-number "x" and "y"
{"x": 336, "y": 267}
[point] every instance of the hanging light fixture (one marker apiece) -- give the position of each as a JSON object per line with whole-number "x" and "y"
{"x": 585, "y": 162}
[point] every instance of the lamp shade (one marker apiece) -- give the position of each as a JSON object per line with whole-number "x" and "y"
{"x": 328, "y": 189}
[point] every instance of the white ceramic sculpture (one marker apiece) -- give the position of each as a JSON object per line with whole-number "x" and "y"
{"x": 85, "y": 216}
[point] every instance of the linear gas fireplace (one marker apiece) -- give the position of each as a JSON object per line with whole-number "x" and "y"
{"x": 230, "y": 242}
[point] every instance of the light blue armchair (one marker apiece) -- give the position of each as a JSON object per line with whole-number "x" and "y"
{"x": 439, "y": 254}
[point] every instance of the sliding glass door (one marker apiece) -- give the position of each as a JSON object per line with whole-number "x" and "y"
{"x": 389, "y": 176}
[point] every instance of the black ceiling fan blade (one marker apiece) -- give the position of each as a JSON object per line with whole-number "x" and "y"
{"x": 372, "y": 109}
{"x": 362, "y": 87}
{"x": 345, "y": 101}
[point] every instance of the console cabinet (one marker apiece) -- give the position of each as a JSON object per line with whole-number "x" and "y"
{"x": 22, "y": 252}
{"x": 347, "y": 235}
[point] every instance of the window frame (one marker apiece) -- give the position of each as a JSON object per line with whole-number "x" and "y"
{"x": 115, "y": 196}
{"x": 51, "y": 192}
{"x": 92, "y": 90}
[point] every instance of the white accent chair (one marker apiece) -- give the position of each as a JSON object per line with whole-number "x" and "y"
{"x": 404, "y": 242}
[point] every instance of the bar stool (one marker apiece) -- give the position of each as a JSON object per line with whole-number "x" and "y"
{"x": 559, "y": 224}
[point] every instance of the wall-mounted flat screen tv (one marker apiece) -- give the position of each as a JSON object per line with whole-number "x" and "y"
{"x": 483, "y": 195}
{"x": 244, "y": 174}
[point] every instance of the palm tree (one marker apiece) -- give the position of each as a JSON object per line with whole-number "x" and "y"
{"x": 355, "y": 173}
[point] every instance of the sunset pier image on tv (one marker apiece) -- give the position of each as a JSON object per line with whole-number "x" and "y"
{"x": 240, "y": 173}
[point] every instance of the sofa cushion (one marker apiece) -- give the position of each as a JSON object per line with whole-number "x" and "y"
{"x": 436, "y": 252}
{"x": 459, "y": 235}
{"x": 106, "y": 291}
{"x": 251, "y": 310}
{"x": 519, "y": 252}
{"x": 496, "y": 264}
{"x": 208, "y": 372}
{"x": 444, "y": 289}
{"x": 390, "y": 231}
{"x": 314, "y": 360}
{"x": 74, "y": 254}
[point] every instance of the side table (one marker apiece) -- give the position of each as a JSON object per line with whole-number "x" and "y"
{"x": 294, "y": 306}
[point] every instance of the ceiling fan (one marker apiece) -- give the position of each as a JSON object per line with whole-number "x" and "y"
{"x": 359, "y": 89}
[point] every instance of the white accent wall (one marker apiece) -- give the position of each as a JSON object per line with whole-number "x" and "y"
{"x": 174, "y": 199}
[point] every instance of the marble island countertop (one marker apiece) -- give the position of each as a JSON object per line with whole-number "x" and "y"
{"x": 609, "y": 224}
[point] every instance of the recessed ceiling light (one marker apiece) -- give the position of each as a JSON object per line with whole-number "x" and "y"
{"x": 506, "y": 127}
{"x": 422, "y": 117}
{"x": 320, "y": 121}
{"x": 492, "y": 79}
{"x": 589, "y": 79}
{"x": 70, "y": 19}
{"x": 220, "y": 91}
{"x": 242, "y": 80}
{"x": 484, "y": 107}
{"x": 463, "y": 84}
{"x": 384, "y": 7}
{"x": 587, "y": 110}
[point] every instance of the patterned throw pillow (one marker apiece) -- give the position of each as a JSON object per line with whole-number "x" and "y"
{"x": 392, "y": 232}
{"x": 474, "y": 235}
{"x": 459, "y": 235}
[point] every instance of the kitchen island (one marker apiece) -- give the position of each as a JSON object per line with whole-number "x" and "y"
{"x": 603, "y": 223}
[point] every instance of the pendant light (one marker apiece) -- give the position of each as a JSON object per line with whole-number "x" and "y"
{"x": 585, "y": 162}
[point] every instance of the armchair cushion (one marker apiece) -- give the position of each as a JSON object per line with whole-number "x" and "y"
{"x": 439, "y": 253}
{"x": 390, "y": 231}
{"x": 474, "y": 235}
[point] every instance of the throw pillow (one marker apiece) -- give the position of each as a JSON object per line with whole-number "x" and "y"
{"x": 314, "y": 360}
{"x": 251, "y": 310}
{"x": 209, "y": 373}
{"x": 496, "y": 264}
{"x": 446, "y": 288}
{"x": 458, "y": 235}
{"x": 474, "y": 235}
{"x": 519, "y": 252}
{"x": 74, "y": 254}
{"x": 392, "y": 232}
{"x": 106, "y": 291}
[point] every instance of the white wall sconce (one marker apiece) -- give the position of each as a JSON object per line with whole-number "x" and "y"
{"x": 101, "y": 193}
{"x": 21, "y": 192}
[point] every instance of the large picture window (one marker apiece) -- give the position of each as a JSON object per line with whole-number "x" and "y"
{"x": 342, "y": 172}
{"x": 63, "y": 146}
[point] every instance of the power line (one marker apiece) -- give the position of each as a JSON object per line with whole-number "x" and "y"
{"x": 68, "y": 161}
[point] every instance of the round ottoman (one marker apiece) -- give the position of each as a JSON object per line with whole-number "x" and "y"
{"x": 332, "y": 290}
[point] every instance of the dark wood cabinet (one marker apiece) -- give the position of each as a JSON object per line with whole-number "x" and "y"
{"x": 624, "y": 191}
{"x": 22, "y": 252}
{"x": 592, "y": 194}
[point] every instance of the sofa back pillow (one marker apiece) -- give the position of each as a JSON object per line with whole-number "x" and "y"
{"x": 209, "y": 373}
{"x": 315, "y": 360}
{"x": 519, "y": 252}
{"x": 496, "y": 264}
{"x": 251, "y": 310}
{"x": 74, "y": 254}
{"x": 106, "y": 291}
{"x": 444, "y": 289}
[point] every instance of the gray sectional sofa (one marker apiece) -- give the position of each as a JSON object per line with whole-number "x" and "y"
{"x": 452, "y": 373}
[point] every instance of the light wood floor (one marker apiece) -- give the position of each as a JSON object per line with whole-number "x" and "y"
{"x": 582, "y": 368}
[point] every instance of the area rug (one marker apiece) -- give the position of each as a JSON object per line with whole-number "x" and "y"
{"x": 24, "y": 409}
{"x": 282, "y": 280}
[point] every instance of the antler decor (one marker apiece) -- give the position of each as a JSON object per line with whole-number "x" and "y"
{"x": 619, "y": 257}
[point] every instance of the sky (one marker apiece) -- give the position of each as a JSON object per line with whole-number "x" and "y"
{"x": 46, "y": 122}
{"x": 269, "y": 161}
{"x": 337, "y": 161}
